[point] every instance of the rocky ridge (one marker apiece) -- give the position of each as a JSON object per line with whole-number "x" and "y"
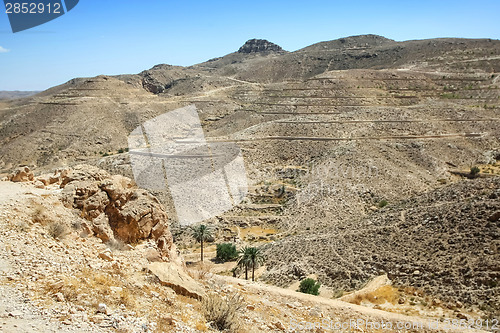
{"x": 259, "y": 45}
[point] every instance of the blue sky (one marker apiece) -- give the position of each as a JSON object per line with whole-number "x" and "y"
{"x": 126, "y": 36}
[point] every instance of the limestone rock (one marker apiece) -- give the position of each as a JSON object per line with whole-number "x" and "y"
{"x": 97, "y": 319}
{"x": 16, "y": 313}
{"x": 152, "y": 255}
{"x": 106, "y": 255}
{"x": 39, "y": 184}
{"x": 102, "y": 308}
{"x": 81, "y": 173}
{"x": 279, "y": 325}
{"x": 116, "y": 208}
{"x": 54, "y": 178}
{"x": 22, "y": 174}
{"x": 59, "y": 297}
{"x": 137, "y": 216}
{"x": 101, "y": 228}
{"x": 174, "y": 277}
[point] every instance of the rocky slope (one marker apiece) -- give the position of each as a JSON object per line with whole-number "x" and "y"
{"x": 71, "y": 281}
{"x": 444, "y": 242}
{"x": 330, "y": 134}
{"x": 86, "y": 118}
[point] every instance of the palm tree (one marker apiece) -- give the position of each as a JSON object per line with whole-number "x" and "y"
{"x": 202, "y": 233}
{"x": 243, "y": 260}
{"x": 251, "y": 257}
{"x": 256, "y": 258}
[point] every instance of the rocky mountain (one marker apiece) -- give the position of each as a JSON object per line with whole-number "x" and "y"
{"x": 358, "y": 154}
{"x": 259, "y": 45}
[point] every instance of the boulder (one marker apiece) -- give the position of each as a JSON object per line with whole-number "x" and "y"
{"x": 139, "y": 217}
{"x": 101, "y": 229}
{"x": 174, "y": 277}
{"x": 39, "y": 184}
{"x": 117, "y": 209}
{"x": 106, "y": 255}
{"x": 152, "y": 255}
{"x": 54, "y": 178}
{"x": 495, "y": 217}
{"x": 81, "y": 173}
{"x": 78, "y": 192}
{"x": 22, "y": 174}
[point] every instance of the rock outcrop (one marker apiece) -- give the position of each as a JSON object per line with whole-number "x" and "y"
{"x": 169, "y": 275}
{"x": 115, "y": 208}
{"x": 55, "y": 178}
{"x": 21, "y": 174}
{"x": 259, "y": 45}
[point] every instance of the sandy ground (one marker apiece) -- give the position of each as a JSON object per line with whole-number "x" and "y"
{"x": 17, "y": 313}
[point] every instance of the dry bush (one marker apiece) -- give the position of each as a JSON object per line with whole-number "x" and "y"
{"x": 128, "y": 299}
{"x": 69, "y": 288}
{"x": 338, "y": 293}
{"x": 70, "y": 291}
{"x": 385, "y": 294}
{"x": 222, "y": 312}
{"x": 23, "y": 226}
{"x": 165, "y": 324}
{"x": 40, "y": 215}
{"x": 379, "y": 296}
{"x": 57, "y": 230}
{"x": 76, "y": 225}
{"x": 412, "y": 291}
{"x": 115, "y": 245}
{"x": 201, "y": 271}
{"x": 357, "y": 299}
{"x": 90, "y": 287}
{"x": 200, "y": 326}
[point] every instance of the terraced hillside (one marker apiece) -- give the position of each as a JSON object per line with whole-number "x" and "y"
{"x": 339, "y": 147}
{"x": 341, "y": 140}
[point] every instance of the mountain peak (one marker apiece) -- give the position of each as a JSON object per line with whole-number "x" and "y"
{"x": 259, "y": 45}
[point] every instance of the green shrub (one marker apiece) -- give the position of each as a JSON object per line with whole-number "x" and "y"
{"x": 383, "y": 203}
{"x": 474, "y": 171}
{"x": 450, "y": 96}
{"x": 226, "y": 252}
{"x": 309, "y": 286}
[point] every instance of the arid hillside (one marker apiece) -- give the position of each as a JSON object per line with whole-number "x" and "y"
{"x": 85, "y": 118}
{"x": 67, "y": 264}
{"x": 364, "y": 155}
